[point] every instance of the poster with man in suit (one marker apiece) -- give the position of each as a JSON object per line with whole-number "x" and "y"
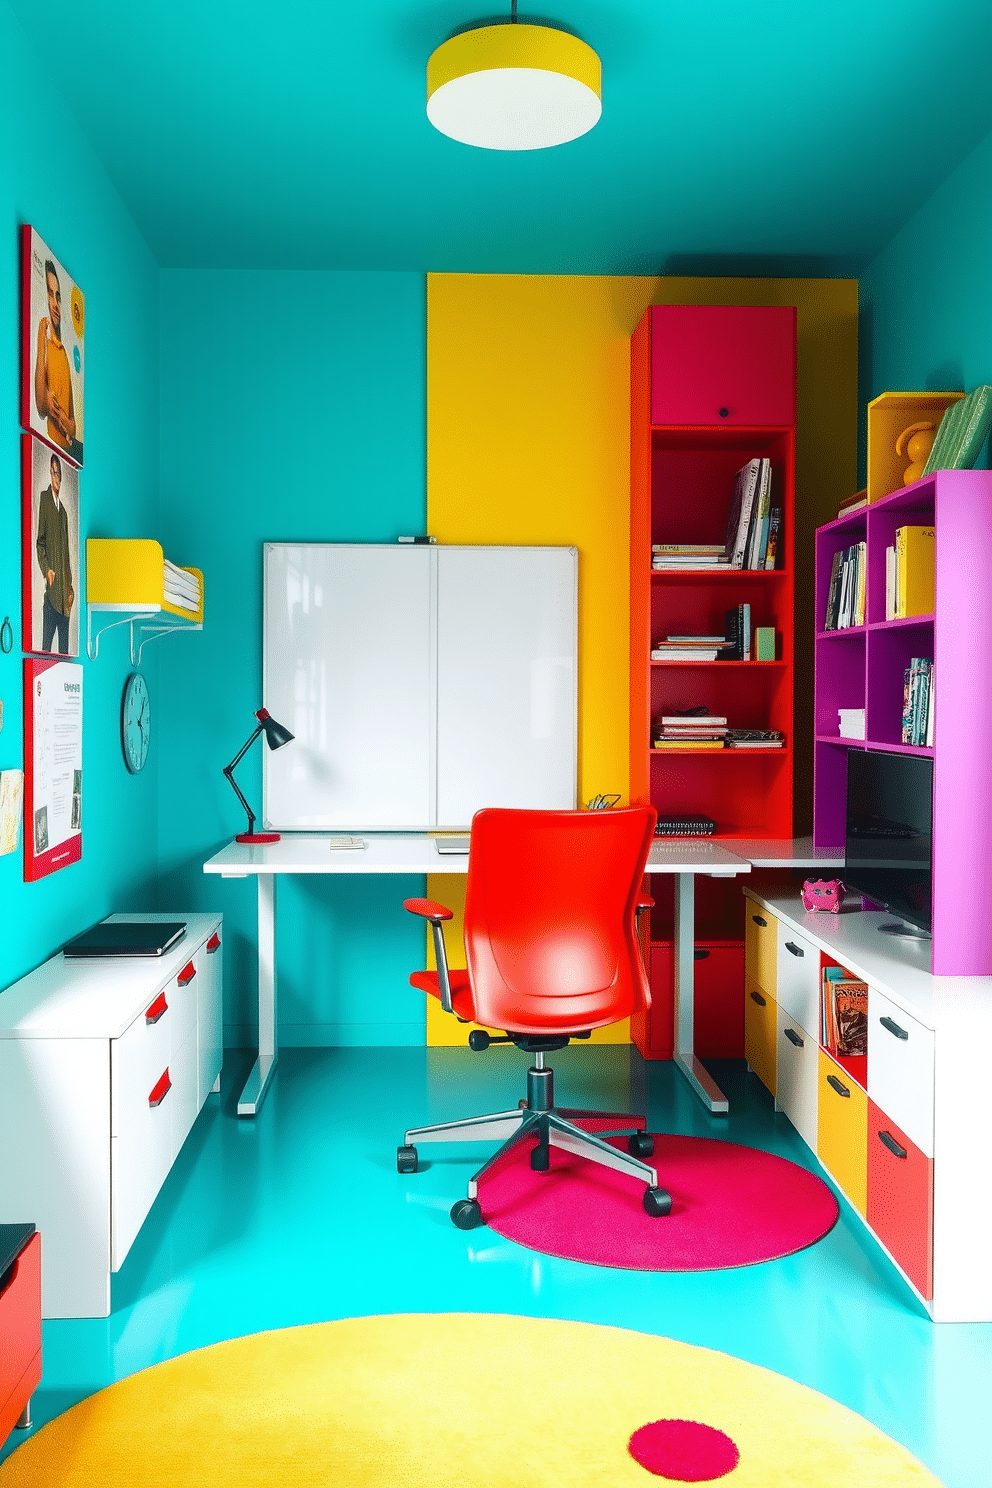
{"x": 50, "y": 560}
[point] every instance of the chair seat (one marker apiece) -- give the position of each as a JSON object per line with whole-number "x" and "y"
{"x": 461, "y": 992}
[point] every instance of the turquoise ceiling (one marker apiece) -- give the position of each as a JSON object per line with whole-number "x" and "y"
{"x": 762, "y": 137}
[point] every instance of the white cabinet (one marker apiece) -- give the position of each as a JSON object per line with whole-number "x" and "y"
{"x": 797, "y": 1066}
{"x": 798, "y": 976}
{"x": 900, "y": 1068}
{"x": 104, "y": 1066}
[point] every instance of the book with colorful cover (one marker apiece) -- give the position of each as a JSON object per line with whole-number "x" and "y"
{"x": 748, "y": 475}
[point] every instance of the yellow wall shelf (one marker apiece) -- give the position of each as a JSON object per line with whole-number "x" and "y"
{"x": 888, "y": 415}
{"x": 127, "y": 576}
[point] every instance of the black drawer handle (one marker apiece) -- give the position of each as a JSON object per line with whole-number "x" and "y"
{"x": 796, "y": 950}
{"x": 840, "y": 1088}
{"x": 894, "y": 1028}
{"x": 888, "y": 1140}
{"x": 757, "y": 997}
{"x": 700, "y": 955}
{"x": 794, "y": 1038}
{"x": 723, "y": 412}
{"x": 759, "y": 921}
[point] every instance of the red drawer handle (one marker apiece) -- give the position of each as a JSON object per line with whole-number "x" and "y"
{"x": 186, "y": 975}
{"x": 213, "y": 944}
{"x": 162, "y": 1088}
{"x": 155, "y": 1009}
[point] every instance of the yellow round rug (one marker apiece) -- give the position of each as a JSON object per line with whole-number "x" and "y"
{"x": 465, "y": 1399}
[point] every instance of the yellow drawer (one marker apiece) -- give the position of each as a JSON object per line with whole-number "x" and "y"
{"x": 760, "y": 1032}
{"x": 842, "y": 1133}
{"x": 760, "y": 947}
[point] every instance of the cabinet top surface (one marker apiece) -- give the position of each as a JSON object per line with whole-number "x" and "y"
{"x": 98, "y": 997}
{"x": 898, "y": 968}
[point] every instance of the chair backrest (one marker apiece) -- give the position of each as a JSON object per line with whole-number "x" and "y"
{"x": 550, "y": 938}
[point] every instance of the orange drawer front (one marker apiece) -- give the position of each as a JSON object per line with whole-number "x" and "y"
{"x": 900, "y": 1198}
{"x": 20, "y": 1334}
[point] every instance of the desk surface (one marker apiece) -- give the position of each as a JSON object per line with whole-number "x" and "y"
{"x": 414, "y": 852}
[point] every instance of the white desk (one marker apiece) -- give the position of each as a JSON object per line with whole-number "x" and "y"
{"x": 414, "y": 852}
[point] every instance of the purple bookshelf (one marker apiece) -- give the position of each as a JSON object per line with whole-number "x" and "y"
{"x": 862, "y": 667}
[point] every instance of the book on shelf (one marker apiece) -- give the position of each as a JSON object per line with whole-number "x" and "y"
{"x": 851, "y": 723}
{"x": 691, "y": 718}
{"x": 844, "y": 1013}
{"x": 890, "y": 582}
{"x": 180, "y": 587}
{"x": 684, "y": 653}
{"x": 755, "y": 738}
{"x": 737, "y": 624}
{"x": 682, "y": 549}
{"x": 962, "y": 432}
{"x": 739, "y": 527}
{"x": 761, "y": 513}
{"x": 691, "y": 745}
{"x": 707, "y": 562}
{"x": 846, "y": 591}
{"x": 916, "y": 723}
{"x": 685, "y": 826}
{"x": 852, "y": 503}
{"x": 928, "y": 736}
{"x": 774, "y": 534}
{"x": 914, "y": 583}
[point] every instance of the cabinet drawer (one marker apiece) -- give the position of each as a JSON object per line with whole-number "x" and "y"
{"x": 718, "y": 1021}
{"x": 760, "y": 1032}
{"x": 900, "y": 1198}
{"x": 210, "y": 1015}
{"x": 900, "y": 1069}
{"x": 20, "y": 1318}
{"x": 797, "y": 976}
{"x": 723, "y": 364}
{"x": 760, "y": 947}
{"x": 183, "y": 1095}
{"x": 182, "y": 994}
{"x": 137, "y": 1059}
{"x": 796, "y": 1070}
{"x": 842, "y": 1130}
{"x": 140, "y": 1159}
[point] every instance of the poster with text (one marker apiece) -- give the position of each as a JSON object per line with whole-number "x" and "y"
{"x": 50, "y": 550}
{"x": 53, "y": 363}
{"x": 53, "y": 765}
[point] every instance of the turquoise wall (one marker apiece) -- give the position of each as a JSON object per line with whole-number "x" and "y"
{"x": 293, "y": 409}
{"x": 926, "y": 300}
{"x": 50, "y": 178}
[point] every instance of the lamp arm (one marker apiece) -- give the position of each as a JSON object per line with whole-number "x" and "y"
{"x": 229, "y": 772}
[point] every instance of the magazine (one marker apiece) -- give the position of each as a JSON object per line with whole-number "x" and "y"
{"x": 845, "y": 1013}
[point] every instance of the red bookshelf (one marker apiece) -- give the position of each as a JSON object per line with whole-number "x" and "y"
{"x": 711, "y": 388}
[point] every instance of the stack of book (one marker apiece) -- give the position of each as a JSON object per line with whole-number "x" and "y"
{"x": 689, "y": 648}
{"x": 851, "y": 723}
{"x": 180, "y": 587}
{"x": 755, "y": 738}
{"x": 846, "y": 592}
{"x": 685, "y": 826}
{"x": 688, "y": 731}
{"x": 962, "y": 432}
{"x": 917, "y": 702}
{"x": 852, "y": 503}
{"x": 706, "y": 556}
{"x": 909, "y": 586}
{"x": 844, "y": 1013}
{"x": 754, "y": 527}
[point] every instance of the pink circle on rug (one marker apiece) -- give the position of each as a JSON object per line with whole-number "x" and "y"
{"x": 731, "y": 1206}
{"x": 684, "y": 1451}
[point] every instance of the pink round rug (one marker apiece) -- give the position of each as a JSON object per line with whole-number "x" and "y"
{"x": 731, "y": 1206}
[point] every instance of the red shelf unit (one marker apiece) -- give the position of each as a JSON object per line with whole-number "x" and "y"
{"x": 711, "y": 388}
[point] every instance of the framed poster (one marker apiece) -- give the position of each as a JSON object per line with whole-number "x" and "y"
{"x": 49, "y": 549}
{"x": 53, "y": 325}
{"x": 53, "y": 765}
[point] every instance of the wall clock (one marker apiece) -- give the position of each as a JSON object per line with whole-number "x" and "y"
{"x": 136, "y": 722}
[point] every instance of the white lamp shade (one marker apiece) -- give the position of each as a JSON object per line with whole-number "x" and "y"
{"x": 514, "y": 87}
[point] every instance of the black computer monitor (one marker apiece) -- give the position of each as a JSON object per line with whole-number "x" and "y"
{"x": 888, "y": 852}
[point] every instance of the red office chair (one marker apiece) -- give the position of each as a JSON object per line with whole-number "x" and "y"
{"x": 552, "y": 951}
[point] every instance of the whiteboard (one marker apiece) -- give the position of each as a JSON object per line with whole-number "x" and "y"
{"x": 421, "y": 683}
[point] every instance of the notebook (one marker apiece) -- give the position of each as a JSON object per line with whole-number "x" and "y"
{"x": 455, "y": 842}
{"x": 126, "y": 939}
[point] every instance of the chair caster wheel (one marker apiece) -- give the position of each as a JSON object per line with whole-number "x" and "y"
{"x": 657, "y": 1202}
{"x": 406, "y": 1159}
{"x": 540, "y": 1158}
{"x": 641, "y": 1145}
{"x": 466, "y": 1214}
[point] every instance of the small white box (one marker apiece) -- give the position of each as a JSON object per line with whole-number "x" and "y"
{"x": 851, "y": 723}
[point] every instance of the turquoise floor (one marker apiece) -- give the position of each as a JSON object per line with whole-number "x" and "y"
{"x": 299, "y": 1215}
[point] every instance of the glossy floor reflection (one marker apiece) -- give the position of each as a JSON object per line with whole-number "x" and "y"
{"x": 298, "y": 1215}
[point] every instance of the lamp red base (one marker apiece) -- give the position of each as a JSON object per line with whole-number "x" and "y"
{"x": 257, "y": 837}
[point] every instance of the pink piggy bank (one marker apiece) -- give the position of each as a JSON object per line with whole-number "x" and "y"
{"x": 824, "y": 894}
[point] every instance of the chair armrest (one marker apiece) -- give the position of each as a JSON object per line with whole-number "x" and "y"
{"x": 428, "y": 909}
{"x": 642, "y": 905}
{"x": 436, "y": 914}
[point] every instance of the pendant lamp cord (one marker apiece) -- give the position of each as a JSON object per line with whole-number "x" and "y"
{"x": 513, "y": 11}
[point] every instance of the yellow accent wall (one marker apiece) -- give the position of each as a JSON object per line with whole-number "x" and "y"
{"x": 528, "y": 430}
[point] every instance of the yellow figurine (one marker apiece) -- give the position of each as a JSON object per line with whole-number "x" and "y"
{"x": 915, "y": 442}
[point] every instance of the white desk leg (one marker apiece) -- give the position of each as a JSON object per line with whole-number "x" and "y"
{"x": 685, "y": 979}
{"x": 255, "y": 1086}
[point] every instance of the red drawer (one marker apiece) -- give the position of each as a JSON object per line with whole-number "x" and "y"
{"x": 719, "y": 1002}
{"x": 900, "y": 1198}
{"x": 723, "y": 364}
{"x": 20, "y": 1334}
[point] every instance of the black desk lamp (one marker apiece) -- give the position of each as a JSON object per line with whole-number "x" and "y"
{"x": 275, "y": 736}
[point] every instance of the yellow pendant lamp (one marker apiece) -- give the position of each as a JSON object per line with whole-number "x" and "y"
{"x": 514, "y": 86}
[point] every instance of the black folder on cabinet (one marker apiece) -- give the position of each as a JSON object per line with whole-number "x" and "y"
{"x": 127, "y": 938}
